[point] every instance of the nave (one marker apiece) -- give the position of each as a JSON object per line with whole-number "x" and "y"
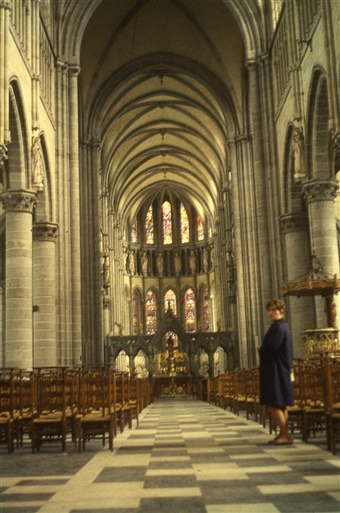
{"x": 186, "y": 456}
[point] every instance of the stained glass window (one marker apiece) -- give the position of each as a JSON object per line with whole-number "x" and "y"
{"x": 190, "y": 311}
{"x": 134, "y": 231}
{"x": 137, "y": 313}
{"x": 151, "y": 312}
{"x": 185, "y": 236}
{"x": 205, "y": 308}
{"x": 170, "y": 301}
{"x": 200, "y": 231}
{"x": 167, "y": 222}
{"x": 149, "y": 228}
{"x": 171, "y": 334}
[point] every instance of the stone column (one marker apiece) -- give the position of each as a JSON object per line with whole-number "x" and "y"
{"x": 107, "y": 325}
{"x": 300, "y": 311}
{"x": 5, "y": 39}
{"x": 2, "y": 326}
{"x": 320, "y": 196}
{"x": 75, "y": 213}
{"x": 19, "y": 206}
{"x": 45, "y": 346}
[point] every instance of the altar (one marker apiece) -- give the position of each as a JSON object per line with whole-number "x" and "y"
{"x": 171, "y": 386}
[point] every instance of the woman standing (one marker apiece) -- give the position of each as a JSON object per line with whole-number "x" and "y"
{"x": 276, "y": 389}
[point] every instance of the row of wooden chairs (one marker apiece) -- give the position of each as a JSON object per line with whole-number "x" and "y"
{"x": 316, "y": 389}
{"x": 50, "y": 403}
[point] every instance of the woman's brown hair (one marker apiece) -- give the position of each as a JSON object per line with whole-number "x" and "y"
{"x": 278, "y": 304}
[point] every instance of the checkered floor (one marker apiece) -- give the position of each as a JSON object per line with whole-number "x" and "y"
{"x": 186, "y": 456}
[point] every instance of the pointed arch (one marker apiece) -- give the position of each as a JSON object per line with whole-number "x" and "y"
{"x": 170, "y": 300}
{"x": 149, "y": 226}
{"x": 137, "y": 310}
{"x": 18, "y": 175}
{"x": 189, "y": 308}
{"x": 203, "y": 314}
{"x": 292, "y": 194}
{"x": 167, "y": 222}
{"x": 184, "y": 224}
{"x": 317, "y": 127}
{"x": 151, "y": 310}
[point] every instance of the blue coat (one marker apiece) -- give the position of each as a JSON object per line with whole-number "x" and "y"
{"x": 276, "y": 388}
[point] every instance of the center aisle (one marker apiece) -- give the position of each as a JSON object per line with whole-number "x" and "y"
{"x": 187, "y": 456}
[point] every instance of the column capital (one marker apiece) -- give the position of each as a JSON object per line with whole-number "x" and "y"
{"x": 45, "y": 231}
{"x": 20, "y": 200}
{"x": 106, "y": 302}
{"x": 6, "y": 4}
{"x": 320, "y": 190}
{"x": 294, "y": 222}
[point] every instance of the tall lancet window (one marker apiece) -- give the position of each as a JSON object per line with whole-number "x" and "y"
{"x": 134, "y": 231}
{"x": 205, "y": 308}
{"x": 137, "y": 311}
{"x": 151, "y": 312}
{"x": 190, "y": 311}
{"x": 149, "y": 228}
{"x": 170, "y": 301}
{"x": 200, "y": 230}
{"x": 185, "y": 237}
{"x": 167, "y": 222}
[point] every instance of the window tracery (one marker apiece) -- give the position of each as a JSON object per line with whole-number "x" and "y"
{"x": 170, "y": 301}
{"x": 200, "y": 230}
{"x": 190, "y": 310}
{"x": 167, "y": 222}
{"x": 185, "y": 232}
{"x": 149, "y": 226}
{"x": 134, "y": 231}
{"x": 151, "y": 312}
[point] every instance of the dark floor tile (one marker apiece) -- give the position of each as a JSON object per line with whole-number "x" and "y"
{"x": 26, "y": 498}
{"x": 173, "y": 444}
{"x": 142, "y": 449}
{"x": 318, "y": 502}
{"x": 213, "y": 458}
{"x": 26, "y": 509}
{"x": 141, "y": 436}
{"x": 166, "y": 464}
{"x": 275, "y": 478}
{"x": 121, "y": 474}
{"x": 172, "y": 481}
{"x": 171, "y": 505}
{"x": 40, "y": 482}
{"x": 258, "y": 462}
{"x": 158, "y": 452}
{"x": 230, "y": 491}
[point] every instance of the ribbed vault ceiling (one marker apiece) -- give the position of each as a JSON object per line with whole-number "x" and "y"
{"x": 162, "y": 89}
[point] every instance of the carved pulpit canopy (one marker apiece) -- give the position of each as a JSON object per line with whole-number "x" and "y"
{"x": 316, "y": 283}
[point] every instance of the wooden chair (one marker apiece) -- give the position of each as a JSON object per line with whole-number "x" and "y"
{"x": 295, "y": 412}
{"x": 239, "y": 391}
{"x": 313, "y": 397}
{"x": 72, "y": 400}
{"x": 331, "y": 363}
{"x": 9, "y": 417}
{"x": 252, "y": 393}
{"x": 228, "y": 390}
{"x": 49, "y": 420}
{"x": 96, "y": 415}
{"x": 134, "y": 398}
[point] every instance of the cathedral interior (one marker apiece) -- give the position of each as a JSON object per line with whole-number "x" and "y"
{"x": 167, "y": 167}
